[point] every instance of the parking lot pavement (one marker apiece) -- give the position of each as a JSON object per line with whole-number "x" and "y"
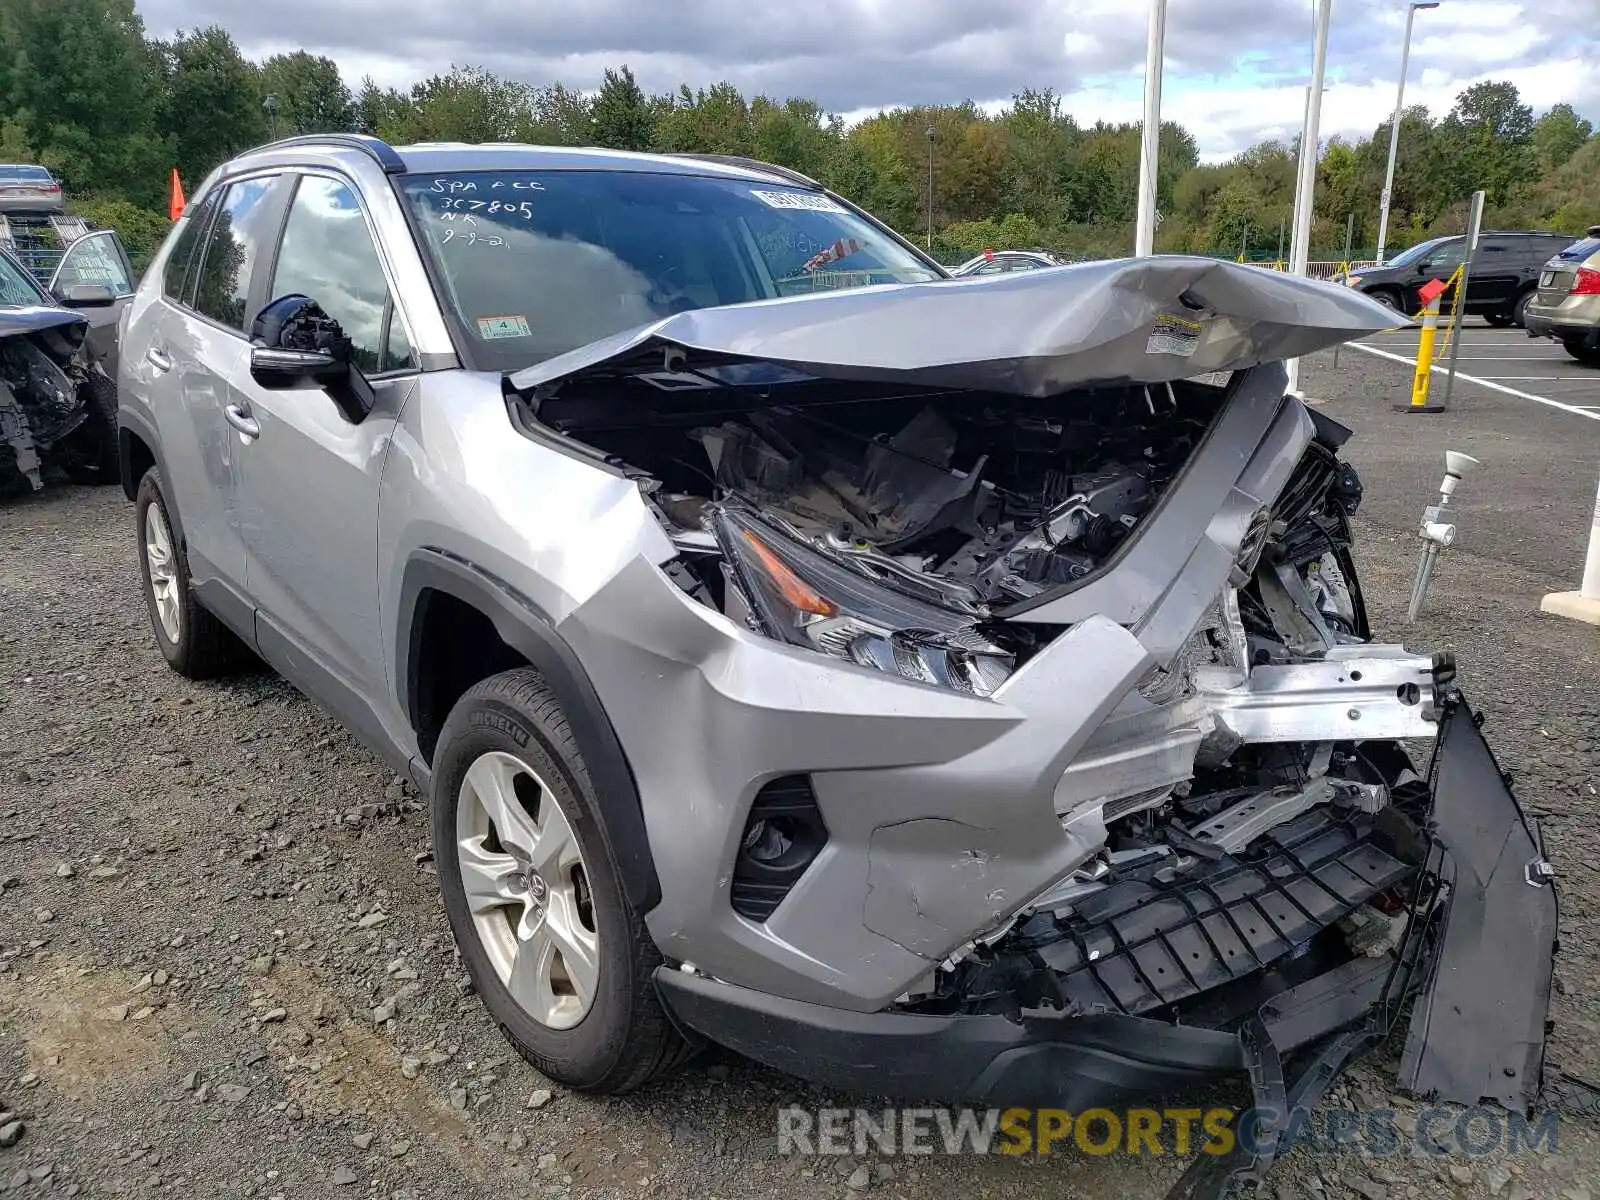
{"x": 1510, "y": 360}
{"x": 224, "y": 971}
{"x": 1531, "y": 501}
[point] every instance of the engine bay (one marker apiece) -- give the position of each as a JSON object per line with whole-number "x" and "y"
{"x": 40, "y": 407}
{"x": 966, "y": 500}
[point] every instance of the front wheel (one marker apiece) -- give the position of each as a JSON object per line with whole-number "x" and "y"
{"x": 89, "y": 454}
{"x": 1388, "y": 299}
{"x": 1499, "y": 320}
{"x": 561, "y": 959}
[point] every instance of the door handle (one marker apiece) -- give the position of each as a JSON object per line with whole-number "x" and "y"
{"x": 239, "y": 417}
{"x": 159, "y": 359}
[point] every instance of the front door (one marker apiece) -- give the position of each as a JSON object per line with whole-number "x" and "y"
{"x": 309, "y": 475}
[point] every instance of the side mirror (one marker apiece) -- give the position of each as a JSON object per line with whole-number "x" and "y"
{"x": 293, "y": 341}
{"x": 86, "y": 295}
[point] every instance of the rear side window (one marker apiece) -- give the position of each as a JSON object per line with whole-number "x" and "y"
{"x": 175, "y": 279}
{"x": 242, "y": 228}
{"x": 328, "y": 254}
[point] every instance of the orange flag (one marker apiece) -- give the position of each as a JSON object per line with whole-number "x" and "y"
{"x": 176, "y": 202}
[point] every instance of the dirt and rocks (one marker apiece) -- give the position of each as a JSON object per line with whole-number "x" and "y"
{"x": 224, "y": 970}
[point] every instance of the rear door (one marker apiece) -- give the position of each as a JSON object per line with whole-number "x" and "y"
{"x": 1496, "y": 271}
{"x": 200, "y": 351}
{"x": 309, "y": 479}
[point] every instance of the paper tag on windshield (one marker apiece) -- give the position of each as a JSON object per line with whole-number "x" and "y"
{"x": 805, "y": 201}
{"x": 1173, "y": 335}
{"x": 490, "y": 328}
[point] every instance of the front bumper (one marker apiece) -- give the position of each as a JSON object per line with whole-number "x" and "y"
{"x": 1477, "y": 958}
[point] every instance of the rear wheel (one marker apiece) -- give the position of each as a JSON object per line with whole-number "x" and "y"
{"x": 1499, "y": 320}
{"x": 1589, "y": 356}
{"x": 195, "y": 644}
{"x": 1519, "y": 310}
{"x": 558, "y": 954}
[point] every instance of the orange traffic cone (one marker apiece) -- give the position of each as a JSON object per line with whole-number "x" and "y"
{"x": 176, "y": 202}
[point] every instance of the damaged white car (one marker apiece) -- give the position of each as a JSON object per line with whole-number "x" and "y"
{"x": 953, "y": 689}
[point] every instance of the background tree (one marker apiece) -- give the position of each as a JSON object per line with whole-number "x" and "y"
{"x": 1558, "y": 135}
{"x": 312, "y": 98}
{"x": 622, "y": 119}
{"x": 211, "y": 101}
{"x": 85, "y": 91}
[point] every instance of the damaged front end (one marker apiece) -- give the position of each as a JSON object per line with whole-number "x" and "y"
{"x": 43, "y": 395}
{"x": 1128, "y": 554}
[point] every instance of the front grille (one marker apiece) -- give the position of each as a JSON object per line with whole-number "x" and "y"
{"x": 1135, "y": 947}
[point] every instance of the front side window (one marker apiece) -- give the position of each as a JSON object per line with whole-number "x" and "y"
{"x": 16, "y": 285}
{"x": 241, "y": 229}
{"x": 1447, "y": 257}
{"x": 1414, "y": 254}
{"x": 531, "y": 264}
{"x": 328, "y": 254}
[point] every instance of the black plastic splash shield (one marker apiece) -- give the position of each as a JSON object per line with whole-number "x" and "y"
{"x": 1478, "y": 1029}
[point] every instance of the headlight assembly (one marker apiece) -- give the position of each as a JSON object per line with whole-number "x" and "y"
{"x": 801, "y": 597}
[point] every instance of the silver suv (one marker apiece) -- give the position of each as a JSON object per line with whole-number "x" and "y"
{"x": 947, "y": 688}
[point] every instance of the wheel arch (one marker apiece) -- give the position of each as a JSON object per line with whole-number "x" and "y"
{"x": 435, "y": 577}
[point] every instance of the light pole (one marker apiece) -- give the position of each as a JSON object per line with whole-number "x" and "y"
{"x": 933, "y": 136}
{"x": 1144, "y": 229}
{"x": 271, "y": 105}
{"x": 1306, "y": 191}
{"x": 1394, "y": 129}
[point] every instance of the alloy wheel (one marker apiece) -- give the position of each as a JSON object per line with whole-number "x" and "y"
{"x": 528, "y": 889}
{"x": 163, "y": 567}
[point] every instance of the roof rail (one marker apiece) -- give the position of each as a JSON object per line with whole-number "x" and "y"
{"x": 755, "y": 164}
{"x": 375, "y": 148}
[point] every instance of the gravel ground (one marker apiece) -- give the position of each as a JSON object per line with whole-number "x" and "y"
{"x": 224, "y": 970}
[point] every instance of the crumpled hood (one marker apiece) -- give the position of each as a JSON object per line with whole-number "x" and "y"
{"x": 1034, "y": 333}
{"x": 34, "y": 317}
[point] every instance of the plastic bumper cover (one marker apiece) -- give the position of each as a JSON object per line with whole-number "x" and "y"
{"x": 1482, "y": 963}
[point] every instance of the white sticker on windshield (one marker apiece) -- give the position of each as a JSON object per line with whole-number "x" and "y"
{"x": 490, "y": 328}
{"x": 1173, "y": 335}
{"x": 804, "y": 201}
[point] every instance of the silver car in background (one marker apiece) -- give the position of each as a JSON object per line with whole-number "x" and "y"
{"x": 26, "y": 188}
{"x": 1567, "y": 305}
{"x": 952, "y": 688}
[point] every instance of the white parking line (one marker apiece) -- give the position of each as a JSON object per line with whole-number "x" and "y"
{"x": 1575, "y": 409}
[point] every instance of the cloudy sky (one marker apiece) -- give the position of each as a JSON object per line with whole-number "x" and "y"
{"x": 1236, "y": 69}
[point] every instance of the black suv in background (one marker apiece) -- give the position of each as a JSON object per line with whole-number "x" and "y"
{"x": 1505, "y": 272}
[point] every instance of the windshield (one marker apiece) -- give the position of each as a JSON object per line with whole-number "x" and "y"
{"x": 536, "y": 263}
{"x": 17, "y": 286}
{"x": 1416, "y": 254}
{"x": 31, "y": 174}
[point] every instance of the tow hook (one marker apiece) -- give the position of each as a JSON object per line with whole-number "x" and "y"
{"x": 1538, "y": 873}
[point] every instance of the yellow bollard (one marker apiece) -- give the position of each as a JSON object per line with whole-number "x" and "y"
{"x": 1430, "y": 293}
{"x": 1424, "y": 375}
